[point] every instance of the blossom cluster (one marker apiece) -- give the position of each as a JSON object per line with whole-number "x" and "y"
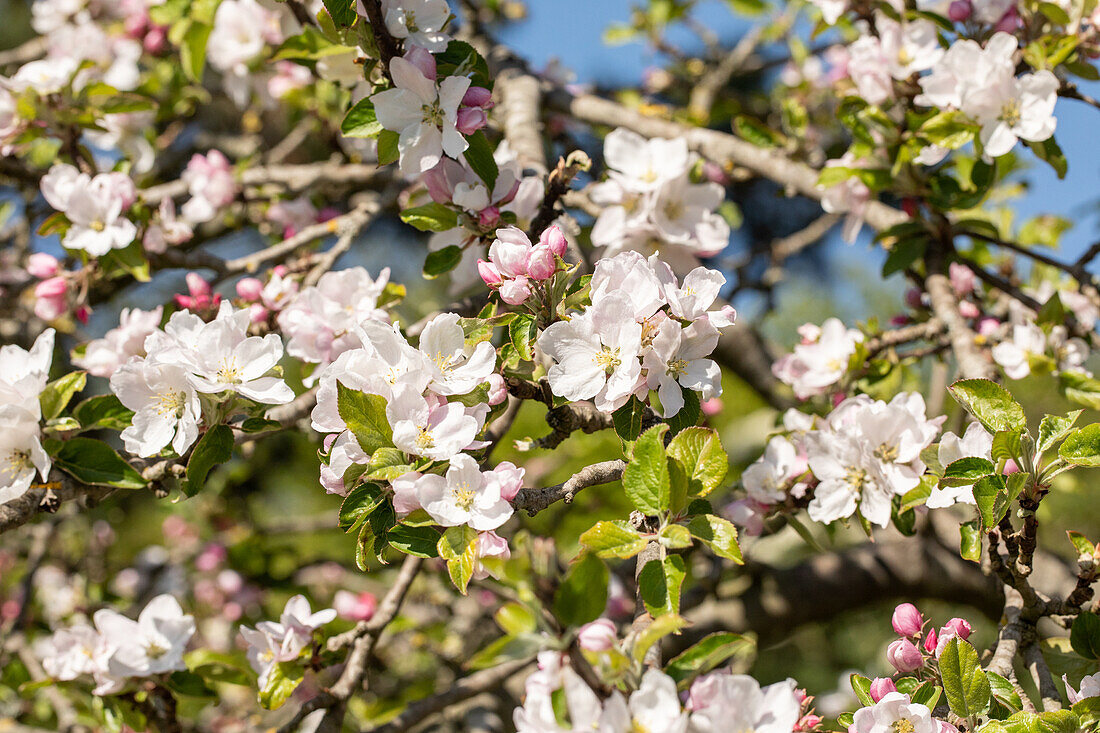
{"x": 650, "y": 204}
{"x": 284, "y": 640}
{"x": 859, "y": 458}
{"x": 95, "y": 207}
{"x": 716, "y": 701}
{"x": 118, "y": 648}
{"x": 820, "y": 360}
{"x": 645, "y": 330}
{"x": 515, "y": 264}
{"x": 192, "y": 368}
{"x": 23, "y": 377}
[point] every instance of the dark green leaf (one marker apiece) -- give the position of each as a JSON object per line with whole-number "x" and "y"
{"x": 214, "y": 448}
{"x": 582, "y": 595}
{"x": 94, "y": 462}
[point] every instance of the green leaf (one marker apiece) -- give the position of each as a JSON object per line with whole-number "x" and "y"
{"x": 1084, "y": 635}
{"x": 718, "y": 534}
{"x": 757, "y": 132}
{"x": 628, "y": 419}
{"x": 386, "y": 464}
{"x": 970, "y": 541}
{"x": 522, "y": 332}
{"x": 706, "y": 654}
{"x": 94, "y": 462}
{"x": 365, "y": 416}
{"x": 516, "y": 618}
{"x": 660, "y": 627}
{"x": 861, "y": 686}
{"x": 1082, "y": 545}
{"x": 218, "y": 667}
{"x": 903, "y": 254}
{"x": 57, "y": 394}
{"x": 1056, "y": 721}
{"x": 700, "y": 452}
{"x": 1082, "y": 446}
{"x": 1054, "y": 428}
{"x": 282, "y": 680}
{"x": 458, "y": 546}
{"x": 990, "y": 403}
{"x": 193, "y": 50}
{"x": 927, "y": 693}
{"x": 613, "y": 539}
{"x": 994, "y": 496}
{"x": 311, "y": 45}
{"x": 342, "y": 12}
{"x": 214, "y": 448}
{"x": 1003, "y": 692}
{"x": 189, "y": 684}
{"x": 433, "y": 217}
{"x": 966, "y": 471}
{"x": 358, "y": 505}
{"x": 360, "y": 121}
{"x": 646, "y": 478}
{"x": 462, "y": 59}
{"x": 1049, "y": 151}
{"x": 964, "y": 683}
{"x": 659, "y": 585}
{"x": 442, "y": 261}
{"x": 480, "y": 158}
{"x": 419, "y": 541}
{"x": 388, "y": 152}
{"x": 949, "y": 129}
{"x": 582, "y": 595}
{"x": 689, "y": 414}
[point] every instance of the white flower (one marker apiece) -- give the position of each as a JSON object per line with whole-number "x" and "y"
{"x": 596, "y": 353}
{"x": 283, "y": 641}
{"x": 424, "y": 114}
{"x": 869, "y": 67}
{"x": 820, "y": 362}
{"x": 629, "y": 275}
{"x": 72, "y": 652}
{"x": 241, "y": 27}
{"x": 965, "y": 68}
{"x": 766, "y": 478}
{"x": 94, "y": 206}
{"x": 21, "y": 453}
{"x": 436, "y": 430}
{"x": 644, "y": 165}
{"x": 152, "y": 644}
{"x": 45, "y": 76}
{"x": 683, "y": 213}
{"x": 1090, "y": 687}
{"x": 721, "y": 701}
{"x": 464, "y": 496}
{"x": 908, "y": 47}
{"x": 849, "y": 196}
{"x": 265, "y": 650}
{"x": 225, "y": 360}
{"x": 654, "y": 706}
{"x": 889, "y": 713}
{"x": 105, "y": 356}
{"x": 453, "y": 372}
{"x": 831, "y": 10}
{"x": 165, "y": 404}
{"x": 1027, "y": 338}
{"x": 975, "y": 442}
{"x": 1010, "y": 108}
{"x": 24, "y": 374}
{"x": 298, "y": 617}
{"x": 678, "y": 359}
{"x": 418, "y": 22}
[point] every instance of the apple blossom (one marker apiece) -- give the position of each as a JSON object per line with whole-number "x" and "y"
{"x": 464, "y": 495}
{"x": 975, "y": 442}
{"x": 418, "y": 22}
{"x": 904, "y": 656}
{"x": 677, "y": 358}
{"x": 165, "y": 404}
{"x": 598, "y": 636}
{"x": 104, "y": 356}
{"x": 94, "y": 206}
{"x": 723, "y": 701}
{"x": 454, "y": 372}
{"x": 1088, "y": 687}
{"x": 152, "y": 644}
{"x": 765, "y": 480}
{"x": 907, "y": 620}
{"x": 433, "y": 429}
{"x": 209, "y": 179}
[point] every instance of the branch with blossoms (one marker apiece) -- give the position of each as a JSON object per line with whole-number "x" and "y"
{"x": 625, "y": 552}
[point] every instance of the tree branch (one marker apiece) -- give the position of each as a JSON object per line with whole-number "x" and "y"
{"x": 534, "y": 501}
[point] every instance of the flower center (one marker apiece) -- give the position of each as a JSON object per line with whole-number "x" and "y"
{"x": 676, "y": 367}
{"x": 886, "y": 453}
{"x": 464, "y": 496}
{"x": 14, "y": 463}
{"x": 608, "y": 359}
{"x": 97, "y": 226}
{"x": 170, "y": 403}
{"x": 1010, "y": 112}
{"x": 153, "y": 650}
{"x": 902, "y": 726}
{"x": 649, "y": 332}
{"x": 674, "y": 209}
{"x": 424, "y": 440}
{"x": 229, "y": 372}
{"x": 410, "y": 21}
{"x": 855, "y": 478}
{"x": 433, "y": 114}
{"x": 445, "y": 362}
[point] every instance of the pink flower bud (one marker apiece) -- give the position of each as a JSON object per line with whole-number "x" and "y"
{"x": 196, "y": 286}
{"x": 904, "y": 656}
{"x": 230, "y": 582}
{"x": 913, "y": 298}
{"x": 907, "y": 620}
{"x": 988, "y": 326}
{"x": 962, "y": 279}
{"x": 553, "y": 238}
{"x": 51, "y": 288}
{"x": 498, "y": 390}
{"x": 597, "y": 636}
{"x": 542, "y": 263}
{"x": 1010, "y": 22}
{"x": 42, "y": 265}
{"x": 211, "y": 557}
{"x": 279, "y": 270}
{"x": 1011, "y": 467}
{"x": 882, "y": 686}
{"x": 355, "y": 606}
{"x": 257, "y": 313}
{"x": 515, "y": 291}
{"x": 423, "y": 61}
{"x": 489, "y": 273}
{"x": 250, "y": 289}
{"x": 714, "y": 173}
{"x": 931, "y": 641}
{"x": 471, "y": 119}
{"x": 713, "y": 406}
{"x": 155, "y": 40}
{"x": 959, "y": 10}
{"x": 477, "y": 97}
{"x": 435, "y": 181}
{"x": 50, "y": 298}
{"x": 808, "y": 722}
{"x": 960, "y": 626}
{"x": 899, "y": 320}
{"x": 83, "y": 313}
{"x": 968, "y": 309}
{"x": 489, "y": 217}
{"x": 510, "y": 478}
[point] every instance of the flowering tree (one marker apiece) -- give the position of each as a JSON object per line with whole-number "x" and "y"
{"x": 575, "y": 324}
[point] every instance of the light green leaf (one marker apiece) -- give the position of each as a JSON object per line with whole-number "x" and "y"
{"x": 613, "y": 539}
{"x": 646, "y": 478}
{"x": 700, "y": 452}
{"x": 964, "y": 683}
{"x": 718, "y": 534}
{"x": 990, "y": 403}
{"x": 582, "y": 595}
{"x": 365, "y": 416}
